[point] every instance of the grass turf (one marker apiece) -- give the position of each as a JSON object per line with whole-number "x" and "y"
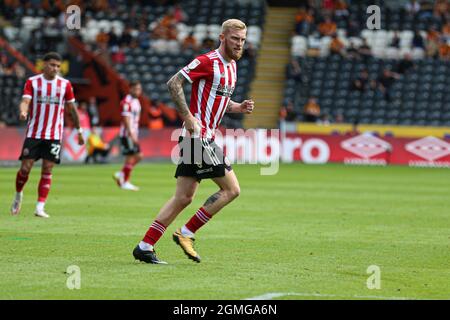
{"x": 310, "y": 231}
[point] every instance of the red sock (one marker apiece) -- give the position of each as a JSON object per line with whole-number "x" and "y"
{"x": 155, "y": 232}
{"x": 198, "y": 220}
{"x": 20, "y": 181}
{"x": 126, "y": 170}
{"x": 44, "y": 187}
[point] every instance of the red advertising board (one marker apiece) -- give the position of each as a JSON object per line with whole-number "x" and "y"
{"x": 261, "y": 146}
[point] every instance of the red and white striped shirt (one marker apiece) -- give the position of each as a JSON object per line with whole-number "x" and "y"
{"x": 48, "y": 97}
{"x": 130, "y": 107}
{"x": 213, "y": 81}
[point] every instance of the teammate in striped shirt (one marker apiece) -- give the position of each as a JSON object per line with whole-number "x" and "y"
{"x": 129, "y": 133}
{"x": 43, "y": 99}
{"x": 213, "y": 77}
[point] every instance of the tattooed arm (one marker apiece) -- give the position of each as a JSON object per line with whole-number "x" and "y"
{"x": 245, "y": 107}
{"x": 76, "y": 119}
{"x": 175, "y": 85}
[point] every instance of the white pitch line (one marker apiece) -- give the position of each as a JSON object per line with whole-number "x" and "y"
{"x": 272, "y": 295}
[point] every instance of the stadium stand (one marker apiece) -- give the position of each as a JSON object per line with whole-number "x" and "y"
{"x": 418, "y": 93}
{"x": 143, "y": 41}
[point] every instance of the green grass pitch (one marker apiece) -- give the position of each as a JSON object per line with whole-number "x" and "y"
{"x": 308, "y": 232}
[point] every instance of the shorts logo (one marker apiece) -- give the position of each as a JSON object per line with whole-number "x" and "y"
{"x": 26, "y": 152}
{"x": 365, "y": 146}
{"x": 429, "y": 148}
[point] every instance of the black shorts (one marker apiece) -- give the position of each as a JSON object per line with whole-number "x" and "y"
{"x": 201, "y": 158}
{"x": 41, "y": 149}
{"x": 128, "y": 147}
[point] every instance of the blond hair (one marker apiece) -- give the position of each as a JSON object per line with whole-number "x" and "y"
{"x": 234, "y": 24}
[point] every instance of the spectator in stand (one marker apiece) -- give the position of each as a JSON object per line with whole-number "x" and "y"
{"x": 118, "y": 55}
{"x": 126, "y": 37}
{"x": 5, "y": 67}
{"x": 426, "y": 10}
{"x": 432, "y": 48}
{"x": 324, "y": 120}
{"x": 190, "y": 42}
{"x": 337, "y": 46}
{"x": 328, "y": 27}
{"x": 446, "y": 31}
{"x": 395, "y": 42}
{"x": 340, "y": 8}
{"x": 328, "y": 6}
{"x": 361, "y": 82}
{"x": 102, "y": 37}
{"x": 294, "y": 71}
{"x": 405, "y": 64}
{"x": 417, "y": 41}
{"x": 365, "y": 51}
{"x": 339, "y": 118}
{"x": 18, "y": 70}
{"x": 384, "y": 82}
{"x": 353, "y": 29}
{"x": 304, "y": 21}
{"x": 288, "y": 113}
{"x": 143, "y": 37}
{"x": 444, "y": 50}
{"x": 208, "y": 43}
{"x": 311, "y": 110}
{"x": 113, "y": 39}
{"x": 352, "y": 52}
{"x": 155, "y": 119}
{"x": 178, "y": 14}
{"x": 412, "y": 7}
{"x": 159, "y": 32}
{"x": 172, "y": 32}
{"x": 249, "y": 51}
{"x": 441, "y": 10}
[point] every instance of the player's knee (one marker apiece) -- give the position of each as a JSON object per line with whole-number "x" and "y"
{"x": 25, "y": 171}
{"x": 233, "y": 193}
{"x": 47, "y": 169}
{"x": 185, "y": 200}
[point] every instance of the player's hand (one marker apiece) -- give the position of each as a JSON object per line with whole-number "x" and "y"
{"x": 23, "y": 116}
{"x": 193, "y": 125}
{"x": 134, "y": 138}
{"x": 80, "y": 139}
{"x": 247, "y": 106}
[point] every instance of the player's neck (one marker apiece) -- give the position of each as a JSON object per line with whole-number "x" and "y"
{"x": 48, "y": 78}
{"x": 224, "y": 55}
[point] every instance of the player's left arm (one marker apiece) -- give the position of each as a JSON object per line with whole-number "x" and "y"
{"x": 245, "y": 106}
{"x": 76, "y": 119}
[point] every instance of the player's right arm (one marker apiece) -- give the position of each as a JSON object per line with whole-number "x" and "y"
{"x": 23, "y": 108}
{"x": 175, "y": 85}
{"x": 127, "y": 123}
{"x": 26, "y": 99}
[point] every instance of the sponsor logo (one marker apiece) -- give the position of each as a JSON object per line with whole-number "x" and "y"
{"x": 429, "y": 148}
{"x": 225, "y": 90}
{"x": 204, "y": 171}
{"x": 26, "y": 152}
{"x": 194, "y": 64}
{"x": 47, "y": 99}
{"x": 365, "y": 146}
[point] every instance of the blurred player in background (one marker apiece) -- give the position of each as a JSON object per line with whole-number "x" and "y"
{"x": 213, "y": 76}
{"x": 129, "y": 134}
{"x": 43, "y": 99}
